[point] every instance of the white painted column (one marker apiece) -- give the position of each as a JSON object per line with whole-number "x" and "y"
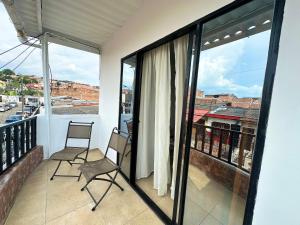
{"x": 47, "y": 98}
{"x": 278, "y": 197}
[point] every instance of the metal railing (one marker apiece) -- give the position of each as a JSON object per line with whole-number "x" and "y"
{"x": 16, "y": 140}
{"x": 231, "y": 146}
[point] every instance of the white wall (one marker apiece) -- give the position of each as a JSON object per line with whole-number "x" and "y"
{"x": 155, "y": 19}
{"x": 278, "y": 194}
{"x": 59, "y": 126}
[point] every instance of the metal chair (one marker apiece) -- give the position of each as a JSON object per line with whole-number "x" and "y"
{"x": 76, "y": 130}
{"x": 129, "y": 125}
{"x": 91, "y": 170}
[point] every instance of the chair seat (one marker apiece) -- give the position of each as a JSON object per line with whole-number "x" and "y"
{"x": 95, "y": 168}
{"x": 68, "y": 154}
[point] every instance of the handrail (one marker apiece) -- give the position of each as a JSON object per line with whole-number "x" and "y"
{"x": 17, "y": 122}
{"x": 226, "y": 145}
{"x": 16, "y": 140}
{"x": 223, "y": 129}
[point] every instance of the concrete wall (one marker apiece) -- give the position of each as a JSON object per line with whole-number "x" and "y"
{"x": 12, "y": 180}
{"x": 59, "y": 126}
{"x": 278, "y": 190}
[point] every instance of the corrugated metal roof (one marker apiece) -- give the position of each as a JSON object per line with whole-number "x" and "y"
{"x": 90, "y": 22}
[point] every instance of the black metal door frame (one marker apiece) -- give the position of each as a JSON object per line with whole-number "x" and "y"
{"x": 196, "y": 28}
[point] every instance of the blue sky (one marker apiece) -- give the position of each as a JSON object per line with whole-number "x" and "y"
{"x": 237, "y": 67}
{"x": 66, "y": 63}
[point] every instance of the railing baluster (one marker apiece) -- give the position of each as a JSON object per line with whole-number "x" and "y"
{"x": 16, "y": 142}
{"x": 33, "y": 132}
{"x": 22, "y": 139}
{"x": 8, "y": 146}
{"x": 211, "y": 141}
{"x": 230, "y": 146}
{"x": 27, "y": 136}
{"x": 1, "y": 150}
{"x": 196, "y": 137}
{"x": 241, "y": 151}
{"x": 220, "y": 144}
{"x": 203, "y": 139}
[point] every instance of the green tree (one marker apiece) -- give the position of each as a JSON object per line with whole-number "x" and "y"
{"x": 8, "y": 72}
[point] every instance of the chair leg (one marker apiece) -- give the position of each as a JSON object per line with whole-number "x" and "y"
{"x": 79, "y": 176}
{"x": 113, "y": 180}
{"x": 55, "y": 170}
{"x": 97, "y": 203}
{"x": 84, "y": 161}
{"x": 82, "y": 189}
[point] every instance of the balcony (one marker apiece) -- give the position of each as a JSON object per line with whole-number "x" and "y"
{"x": 41, "y": 201}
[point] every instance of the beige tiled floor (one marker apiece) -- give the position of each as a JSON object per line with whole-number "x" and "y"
{"x": 207, "y": 202}
{"x": 60, "y": 202}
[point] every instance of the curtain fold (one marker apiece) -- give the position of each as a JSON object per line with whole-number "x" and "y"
{"x": 162, "y": 119}
{"x": 181, "y": 48}
{"x": 145, "y": 154}
{"x": 154, "y": 127}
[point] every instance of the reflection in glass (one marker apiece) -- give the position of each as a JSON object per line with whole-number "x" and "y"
{"x": 229, "y": 87}
{"x": 126, "y": 106}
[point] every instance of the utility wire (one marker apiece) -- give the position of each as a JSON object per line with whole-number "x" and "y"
{"x": 18, "y": 55}
{"x": 20, "y": 44}
{"x": 24, "y": 59}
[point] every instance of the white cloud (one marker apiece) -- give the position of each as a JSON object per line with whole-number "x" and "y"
{"x": 66, "y": 63}
{"x": 215, "y": 65}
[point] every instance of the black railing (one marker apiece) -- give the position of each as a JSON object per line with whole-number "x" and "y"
{"x": 231, "y": 146}
{"x": 16, "y": 140}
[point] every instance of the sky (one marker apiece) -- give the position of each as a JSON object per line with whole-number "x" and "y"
{"x": 66, "y": 63}
{"x": 237, "y": 67}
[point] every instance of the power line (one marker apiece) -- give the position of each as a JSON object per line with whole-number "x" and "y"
{"x": 18, "y": 55}
{"x": 19, "y": 44}
{"x": 24, "y": 59}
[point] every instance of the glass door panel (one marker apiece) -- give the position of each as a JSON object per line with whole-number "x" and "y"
{"x": 233, "y": 57}
{"x": 126, "y": 107}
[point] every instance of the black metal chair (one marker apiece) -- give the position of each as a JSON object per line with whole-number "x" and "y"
{"x": 76, "y": 130}
{"x": 92, "y": 169}
{"x": 129, "y": 125}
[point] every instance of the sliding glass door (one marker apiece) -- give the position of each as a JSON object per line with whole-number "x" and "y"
{"x": 126, "y": 107}
{"x": 194, "y": 119}
{"x": 231, "y": 73}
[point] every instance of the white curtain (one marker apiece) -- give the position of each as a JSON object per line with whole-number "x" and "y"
{"x": 145, "y": 154}
{"x": 154, "y": 127}
{"x": 181, "y": 48}
{"x": 162, "y": 119}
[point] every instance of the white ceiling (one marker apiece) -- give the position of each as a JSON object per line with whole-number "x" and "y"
{"x": 91, "y": 22}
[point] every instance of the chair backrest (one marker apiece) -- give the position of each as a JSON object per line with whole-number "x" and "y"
{"x": 79, "y": 130}
{"x": 129, "y": 125}
{"x": 117, "y": 142}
